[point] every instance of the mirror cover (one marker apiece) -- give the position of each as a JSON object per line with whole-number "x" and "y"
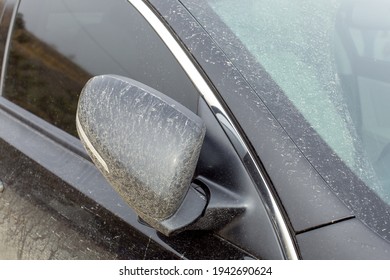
{"x": 146, "y": 144}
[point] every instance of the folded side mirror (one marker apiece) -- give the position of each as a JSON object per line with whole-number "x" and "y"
{"x": 147, "y": 146}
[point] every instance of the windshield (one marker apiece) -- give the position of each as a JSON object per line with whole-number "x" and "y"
{"x": 331, "y": 61}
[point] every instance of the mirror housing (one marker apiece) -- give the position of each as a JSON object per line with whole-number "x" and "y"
{"x": 147, "y": 146}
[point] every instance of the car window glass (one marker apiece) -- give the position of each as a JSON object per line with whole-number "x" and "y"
{"x": 57, "y": 45}
{"x": 331, "y": 59}
{"x": 322, "y": 69}
{"x": 299, "y": 58}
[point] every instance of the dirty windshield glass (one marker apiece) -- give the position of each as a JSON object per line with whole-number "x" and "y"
{"x": 331, "y": 61}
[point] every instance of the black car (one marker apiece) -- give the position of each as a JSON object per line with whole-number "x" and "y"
{"x": 215, "y": 129}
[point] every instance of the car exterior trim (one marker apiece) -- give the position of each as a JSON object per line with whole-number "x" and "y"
{"x": 286, "y": 240}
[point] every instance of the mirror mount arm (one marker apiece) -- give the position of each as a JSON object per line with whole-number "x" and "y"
{"x": 209, "y": 209}
{"x": 190, "y": 210}
{"x": 223, "y": 207}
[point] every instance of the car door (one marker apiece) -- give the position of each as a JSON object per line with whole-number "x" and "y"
{"x": 54, "y": 204}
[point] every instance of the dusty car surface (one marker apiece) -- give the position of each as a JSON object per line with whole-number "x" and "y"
{"x": 204, "y": 129}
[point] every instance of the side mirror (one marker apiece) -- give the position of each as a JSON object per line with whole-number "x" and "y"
{"x": 147, "y": 146}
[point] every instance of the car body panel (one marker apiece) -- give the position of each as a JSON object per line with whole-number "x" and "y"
{"x": 350, "y": 239}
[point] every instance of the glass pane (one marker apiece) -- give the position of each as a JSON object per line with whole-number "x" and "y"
{"x": 322, "y": 68}
{"x": 57, "y": 47}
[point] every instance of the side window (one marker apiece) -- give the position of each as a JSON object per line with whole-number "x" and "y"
{"x": 57, "y": 45}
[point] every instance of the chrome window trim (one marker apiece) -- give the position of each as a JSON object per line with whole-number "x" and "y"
{"x": 286, "y": 240}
